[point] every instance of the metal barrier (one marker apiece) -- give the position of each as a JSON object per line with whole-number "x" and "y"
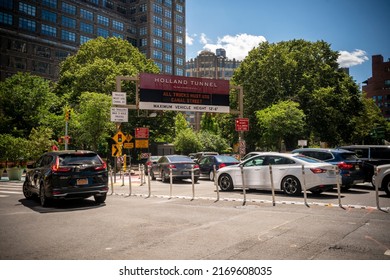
{"x": 377, "y": 193}
{"x": 244, "y": 187}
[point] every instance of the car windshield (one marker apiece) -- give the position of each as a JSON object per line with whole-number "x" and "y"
{"x": 79, "y": 159}
{"x": 307, "y": 159}
{"x": 226, "y": 159}
{"x": 180, "y": 159}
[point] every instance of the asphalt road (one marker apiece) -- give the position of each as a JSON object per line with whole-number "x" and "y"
{"x": 153, "y": 225}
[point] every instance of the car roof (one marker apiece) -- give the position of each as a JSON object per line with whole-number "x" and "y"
{"x": 65, "y": 152}
{"x": 336, "y": 150}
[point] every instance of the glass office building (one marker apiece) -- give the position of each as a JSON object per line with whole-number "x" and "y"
{"x": 36, "y": 35}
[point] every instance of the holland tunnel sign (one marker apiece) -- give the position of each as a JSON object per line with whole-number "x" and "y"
{"x": 179, "y": 93}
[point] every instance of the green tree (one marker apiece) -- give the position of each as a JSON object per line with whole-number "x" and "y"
{"x": 26, "y": 102}
{"x": 213, "y": 142}
{"x": 95, "y": 126}
{"x": 181, "y": 123}
{"x": 40, "y": 141}
{"x": 186, "y": 141}
{"x": 304, "y": 72}
{"x": 283, "y": 121}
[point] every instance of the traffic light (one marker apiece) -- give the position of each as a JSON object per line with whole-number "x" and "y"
{"x": 120, "y": 138}
{"x": 67, "y": 114}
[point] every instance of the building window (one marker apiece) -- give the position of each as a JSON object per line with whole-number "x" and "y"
{"x": 157, "y": 31}
{"x": 5, "y": 18}
{"x": 68, "y": 36}
{"x": 27, "y": 9}
{"x": 168, "y": 36}
{"x": 68, "y": 22}
{"x": 179, "y": 19}
{"x": 168, "y": 3}
{"x": 157, "y": 9}
{"x": 168, "y": 13}
{"x": 49, "y": 16}
{"x": 157, "y": 20}
{"x": 17, "y": 62}
{"x": 102, "y": 20}
{"x": 179, "y": 51}
{"x": 50, "y": 3}
{"x": 27, "y": 24}
{"x": 179, "y": 8}
{"x": 102, "y": 32}
{"x": 159, "y": 65}
{"x": 117, "y": 25}
{"x": 108, "y": 4}
{"x": 143, "y": 42}
{"x": 143, "y": 8}
{"x": 143, "y": 31}
{"x": 168, "y": 46}
{"x": 121, "y": 9}
{"x": 84, "y": 39}
{"x": 115, "y": 34}
{"x": 67, "y": 8}
{"x": 85, "y": 14}
{"x": 86, "y": 27}
{"x": 168, "y": 57}
{"x": 6, "y": 4}
{"x": 42, "y": 51}
{"x": 387, "y": 83}
{"x": 96, "y": 2}
{"x": 48, "y": 30}
{"x": 157, "y": 54}
{"x": 168, "y": 24}
{"x": 179, "y": 72}
{"x": 179, "y": 61}
{"x": 157, "y": 43}
{"x": 179, "y": 39}
{"x": 179, "y": 29}
{"x": 168, "y": 69}
{"x": 18, "y": 46}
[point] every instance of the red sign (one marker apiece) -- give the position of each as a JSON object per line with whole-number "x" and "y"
{"x": 242, "y": 124}
{"x": 142, "y": 132}
{"x": 183, "y": 84}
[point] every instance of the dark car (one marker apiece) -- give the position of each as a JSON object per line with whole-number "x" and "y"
{"x": 181, "y": 167}
{"x": 371, "y": 156}
{"x": 207, "y": 163}
{"x": 67, "y": 175}
{"x": 350, "y": 166}
{"x": 150, "y": 162}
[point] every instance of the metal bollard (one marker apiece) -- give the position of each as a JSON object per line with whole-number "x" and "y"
{"x": 149, "y": 187}
{"x": 272, "y": 185}
{"x": 243, "y": 184}
{"x": 193, "y": 185}
{"x": 130, "y": 187}
{"x": 170, "y": 182}
{"x": 338, "y": 186}
{"x": 304, "y": 186}
{"x": 112, "y": 184}
{"x": 377, "y": 194}
{"x": 215, "y": 182}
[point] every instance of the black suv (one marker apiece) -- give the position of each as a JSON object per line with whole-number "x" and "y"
{"x": 371, "y": 156}
{"x": 350, "y": 166}
{"x": 67, "y": 175}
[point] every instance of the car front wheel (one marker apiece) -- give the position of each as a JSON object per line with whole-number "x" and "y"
{"x": 225, "y": 182}
{"x": 386, "y": 185}
{"x": 291, "y": 186}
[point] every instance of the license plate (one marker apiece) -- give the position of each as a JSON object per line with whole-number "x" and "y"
{"x": 186, "y": 172}
{"x": 357, "y": 167}
{"x": 80, "y": 182}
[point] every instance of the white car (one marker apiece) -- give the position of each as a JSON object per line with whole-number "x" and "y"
{"x": 381, "y": 177}
{"x": 286, "y": 173}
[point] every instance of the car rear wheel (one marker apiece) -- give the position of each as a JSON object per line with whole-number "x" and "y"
{"x": 100, "y": 198}
{"x": 225, "y": 182}
{"x": 386, "y": 185}
{"x": 42, "y": 196}
{"x": 26, "y": 190}
{"x": 291, "y": 185}
{"x": 211, "y": 176}
{"x": 164, "y": 177}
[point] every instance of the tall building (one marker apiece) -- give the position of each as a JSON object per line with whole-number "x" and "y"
{"x": 212, "y": 65}
{"x": 378, "y": 86}
{"x": 36, "y": 35}
{"x": 209, "y": 65}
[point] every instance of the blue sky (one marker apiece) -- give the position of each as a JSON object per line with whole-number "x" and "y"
{"x": 357, "y": 29}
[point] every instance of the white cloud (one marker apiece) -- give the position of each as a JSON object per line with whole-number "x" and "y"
{"x": 189, "y": 39}
{"x": 236, "y": 46}
{"x": 348, "y": 59}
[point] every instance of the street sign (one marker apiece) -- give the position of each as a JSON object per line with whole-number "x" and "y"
{"x": 119, "y": 114}
{"x": 142, "y": 132}
{"x": 129, "y": 137}
{"x": 116, "y": 150}
{"x": 128, "y": 145}
{"x": 119, "y": 137}
{"x": 118, "y": 98}
{"x": 142, "y": 144}
{"x": 242, "y": 124}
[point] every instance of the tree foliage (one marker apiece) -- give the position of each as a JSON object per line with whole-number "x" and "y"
{"x": 26, "y": 102}
{"x": 283, "y": 121}
{"x": 304, "y": 72}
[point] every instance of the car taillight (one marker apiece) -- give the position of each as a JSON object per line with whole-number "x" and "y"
{"x": 172, "y": 166}
{"x": 149, "y": 163}
{"x": 318, "y": 170}
{"x": 57, "y": 168}
{"x": 344, "y": 166}
{"x": 222, "y": 165}
{"x": 101, "y": 167}
{"x": 196, "y": 166}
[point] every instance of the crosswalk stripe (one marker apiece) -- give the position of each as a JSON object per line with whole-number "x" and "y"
{"x": 1, "y": 191}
